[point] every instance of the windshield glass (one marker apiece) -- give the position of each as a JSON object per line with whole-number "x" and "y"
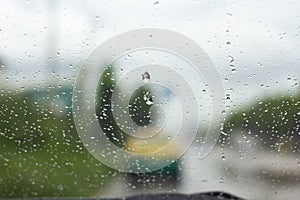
{"x": 121, "y": 98}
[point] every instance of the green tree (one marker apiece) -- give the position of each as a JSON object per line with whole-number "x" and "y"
{"x": 272, "y": 121}
{"x": 138, "y": 107}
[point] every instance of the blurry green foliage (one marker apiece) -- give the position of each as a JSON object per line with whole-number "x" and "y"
{"x": 41, "y": 154}
{"x": 138, "y": 109}
{"x": 271, "y": 121}
{"x": 105, "y": 89}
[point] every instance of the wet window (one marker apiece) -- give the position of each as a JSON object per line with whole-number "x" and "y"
{"x": 114, "y": 99}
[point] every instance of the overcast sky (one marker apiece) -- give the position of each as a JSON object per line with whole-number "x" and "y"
{"x": 261, "y": 36}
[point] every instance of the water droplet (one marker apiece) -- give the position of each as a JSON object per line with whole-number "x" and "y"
{"x": 223, "y": 133}
{"x": 231, "y": 61}
{"x": 229, "y": 14}
{"x": 147, "y": 98}
{"x": 156, "y": 3}
{"x": 146, "y": 77}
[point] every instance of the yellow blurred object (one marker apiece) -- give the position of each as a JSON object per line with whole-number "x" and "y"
{"x": 153, "y": 145}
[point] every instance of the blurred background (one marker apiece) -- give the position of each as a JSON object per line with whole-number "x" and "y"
{"x": 254, "y": 44}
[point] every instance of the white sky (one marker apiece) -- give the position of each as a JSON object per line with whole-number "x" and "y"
{"x": 263, "y": 35}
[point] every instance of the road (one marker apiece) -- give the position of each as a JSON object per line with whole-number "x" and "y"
{"x": 250, "y": 175}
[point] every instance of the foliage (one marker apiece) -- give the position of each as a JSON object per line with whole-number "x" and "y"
{"x": 40, "y": 151}
{"x": 271, "y": 121}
